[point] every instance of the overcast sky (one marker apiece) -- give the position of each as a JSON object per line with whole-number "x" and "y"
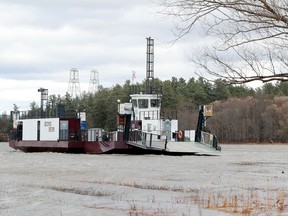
{"x": 41, "y": 40}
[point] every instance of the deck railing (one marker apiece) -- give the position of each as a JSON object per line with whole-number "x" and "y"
{"x": 15, "y": 135}
{"x": 149, "y": 115}
{"x": 148, "y": 140}
{"x": 210, "y": 139}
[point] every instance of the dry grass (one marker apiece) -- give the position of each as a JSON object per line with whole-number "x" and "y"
{"x": 251, "y": 201}
{"x": 89, "y": 191}
{"x": 248, "y": 204}
{"x": 135, "y": 211}
{"x": 240, "y": 203}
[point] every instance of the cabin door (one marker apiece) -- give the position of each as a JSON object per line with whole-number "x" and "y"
{"x": 38, "y": 130}
{"x": 19, "y": 130}
{"x": 167, "y": 128}
{"x": 63, "y": 132}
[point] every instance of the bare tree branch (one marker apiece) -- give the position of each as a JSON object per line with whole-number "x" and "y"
{"x": 255, "y": 32}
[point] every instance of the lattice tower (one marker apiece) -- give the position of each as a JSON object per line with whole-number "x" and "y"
{"x": 150, "y": 66}
{"x": 74, "y": 84}
{"x": 94, "y": 81}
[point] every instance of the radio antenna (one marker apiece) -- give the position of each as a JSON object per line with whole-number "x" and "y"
{"x": 150, "y": 66}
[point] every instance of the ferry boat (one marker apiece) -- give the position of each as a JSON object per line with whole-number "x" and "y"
{"x": 140, "y": 130}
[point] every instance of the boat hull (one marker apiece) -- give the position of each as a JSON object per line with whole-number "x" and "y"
{"x": 101, "y": 147}
{"x": 47, "y": 146}
{"x": 95, "y": 147}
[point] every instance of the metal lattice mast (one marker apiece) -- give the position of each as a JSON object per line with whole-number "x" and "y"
{"x": 150, "y": 66}
{"x": 74, "y": 84}
{"x": 94, "y": 81}
{"x": 44, "y": 100}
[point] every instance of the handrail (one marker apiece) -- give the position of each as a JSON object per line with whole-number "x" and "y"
{"x": 147, "y": 140}
{"x": 149, "y": 115}
{"x": 210, "y": 139}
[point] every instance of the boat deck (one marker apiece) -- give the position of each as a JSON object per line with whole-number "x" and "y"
{"x": 176, "y": 148}
{"x": 191, "y": 147}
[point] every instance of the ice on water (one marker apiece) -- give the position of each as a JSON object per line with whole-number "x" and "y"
{"x": 83, "y": 184}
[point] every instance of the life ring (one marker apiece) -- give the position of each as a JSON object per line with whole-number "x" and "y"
{"x": 180, "y": 135}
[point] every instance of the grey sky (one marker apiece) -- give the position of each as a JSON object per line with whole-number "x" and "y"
{"x": 42, "y": 40}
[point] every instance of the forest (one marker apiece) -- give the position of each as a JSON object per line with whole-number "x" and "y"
{"x": 241, "y": 114}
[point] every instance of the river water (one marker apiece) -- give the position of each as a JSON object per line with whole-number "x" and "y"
{"x": 243, "y": 180}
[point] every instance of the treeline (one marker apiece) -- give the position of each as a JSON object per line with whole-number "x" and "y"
{"x": 5, "y": 126}
{"x": 251, "y": 119}
{"x": 241, "y": 114}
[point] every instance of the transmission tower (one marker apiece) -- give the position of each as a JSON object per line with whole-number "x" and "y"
{"x": 94, "y": 81}
{"x": 74, "y": 85}
{"x": 150, "y": 66}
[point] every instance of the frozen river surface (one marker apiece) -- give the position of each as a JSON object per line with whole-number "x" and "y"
{"x": 243, "y": 180}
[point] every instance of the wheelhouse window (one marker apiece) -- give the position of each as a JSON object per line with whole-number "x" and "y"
{"x": 154, "y": 103}
{"x": 134, "y": 103}
{"x": 143, "y": 103}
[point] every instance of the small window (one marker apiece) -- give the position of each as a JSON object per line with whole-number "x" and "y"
{"x": 134, "y": 103}
{"x": 154, "y": 103}
{"x": 143, "y": 103}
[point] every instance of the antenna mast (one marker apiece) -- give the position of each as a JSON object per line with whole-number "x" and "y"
{"x": 150, "y": 66}
{"x": 74, "y": 85}
{"x": 44, "y": 99}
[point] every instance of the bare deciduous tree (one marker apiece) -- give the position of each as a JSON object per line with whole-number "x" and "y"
{"x": 251, "y": 37}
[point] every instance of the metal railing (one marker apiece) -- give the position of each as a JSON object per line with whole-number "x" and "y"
{"x": 149, "y": 115}
{"x": 15, "y": 135}
{"x": 38, "y": 114}
{"x": 148, "y": 140}
{"x": 210, "y": 139}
